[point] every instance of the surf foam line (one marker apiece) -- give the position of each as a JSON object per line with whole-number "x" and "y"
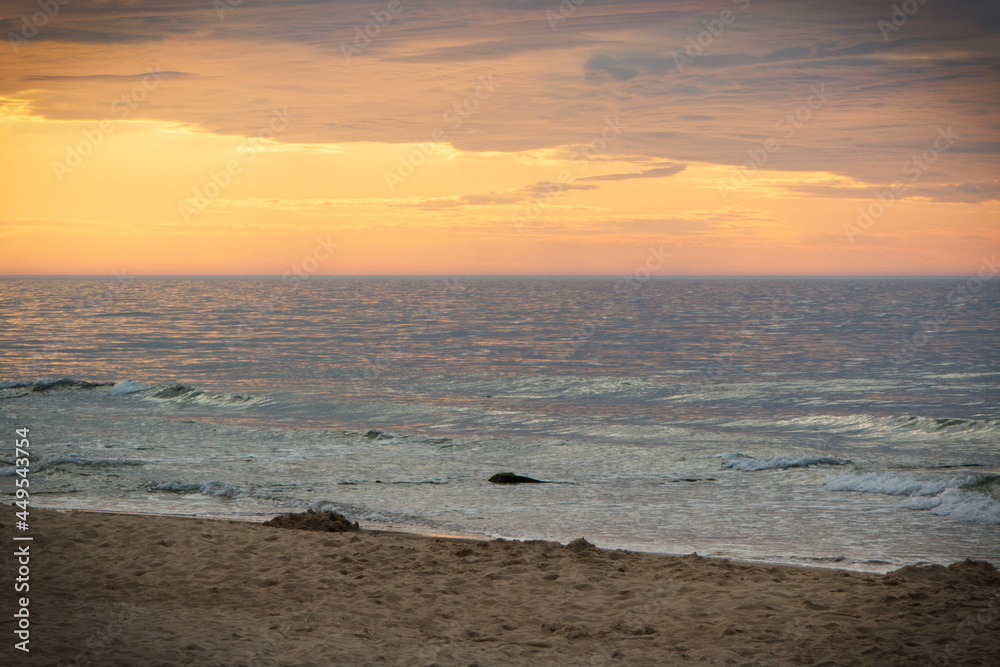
{"x": 172, "y": 393}
{"x": 214, "y": 488}
{"x": 183, "y": 394}
{"x": 861, "y": 423}
{"x": 82, "y": 461}
{"x": 965, "y": 497}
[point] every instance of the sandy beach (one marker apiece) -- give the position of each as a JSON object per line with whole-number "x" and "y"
{"x": 113, "y": 589}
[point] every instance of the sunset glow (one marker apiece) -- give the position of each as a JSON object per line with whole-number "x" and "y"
{"x": 264, "y": 138}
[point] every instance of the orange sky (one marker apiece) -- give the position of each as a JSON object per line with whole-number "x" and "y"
{"x": 269, "y": 138}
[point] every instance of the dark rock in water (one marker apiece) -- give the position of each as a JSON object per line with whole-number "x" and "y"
{"x": 326, "y": 522}
{"x": 372, "y": 434}
{"x": 511, "y": 478}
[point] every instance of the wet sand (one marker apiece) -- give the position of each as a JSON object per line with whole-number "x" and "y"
{"x": 111, "y": 589}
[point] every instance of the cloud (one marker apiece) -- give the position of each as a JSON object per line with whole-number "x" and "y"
{"x": 79, "y": 35}
{"x": 658, "y": 172}
{"x": 555, "y": 87}
{"x": 545, "y": 188}
{"x": 107, "y": 77}
{"x": 965, "y": 193}
{"x": 516, "y": 196}
{"x": 626, "y": 65}
{"x": 461, "y": 201}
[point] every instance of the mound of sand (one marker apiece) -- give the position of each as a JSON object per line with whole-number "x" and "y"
{"x": 324, "y": 522}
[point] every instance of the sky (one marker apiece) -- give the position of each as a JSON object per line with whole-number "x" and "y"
{"x": 477, "y": 137}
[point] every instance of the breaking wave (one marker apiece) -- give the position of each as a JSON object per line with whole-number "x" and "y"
{"x": 13, "y": 388}
{"x": 900, "y": 484}
{"x": 186, "y": 394}
{"x": 960, "y": 504}
{"x": 126, "y": 387}
{"x": 940, "y": 424}
{"x": 173, "y": 393}
{"x": 845, "y": 423}
{"x": 737, "y": 461}
{"x": 214, "y": 488}
{"x": 965, "y": 497}
{"x": 82, "y": 461}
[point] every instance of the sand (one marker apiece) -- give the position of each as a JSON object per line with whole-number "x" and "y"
{"x": 109, "y": 589}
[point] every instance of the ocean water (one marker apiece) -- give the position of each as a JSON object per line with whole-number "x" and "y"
{"x": 844, "y": 422}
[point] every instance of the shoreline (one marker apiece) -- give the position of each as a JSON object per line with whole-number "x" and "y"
{"x": 831, "y": 563}
{"x": 125, "y": 589}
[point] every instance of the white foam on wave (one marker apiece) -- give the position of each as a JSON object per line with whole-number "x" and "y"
{"x": 742, "y": 462}
{"x": 860, "y": 423}
{"x": 214, "y": 488}
{"x": 127, "y": 387}
{"x": 959, "y": 504}
{"x": 960, "y": 497}
{"x": 895, "y": 484}
{"x": 82, "y": 461}
{"x": 836, "y": 423}
{"x": 182, "y": 393}
{"x": 959, "y": 376}
{"x": 942, "y": 425}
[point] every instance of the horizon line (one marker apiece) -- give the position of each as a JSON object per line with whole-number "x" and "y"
{"x": 302, "y": 277}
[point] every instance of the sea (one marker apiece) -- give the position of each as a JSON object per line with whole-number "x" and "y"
{"x": 841, "y": 422}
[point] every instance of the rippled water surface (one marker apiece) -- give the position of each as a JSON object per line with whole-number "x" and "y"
{"x": 849, "y": 421}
